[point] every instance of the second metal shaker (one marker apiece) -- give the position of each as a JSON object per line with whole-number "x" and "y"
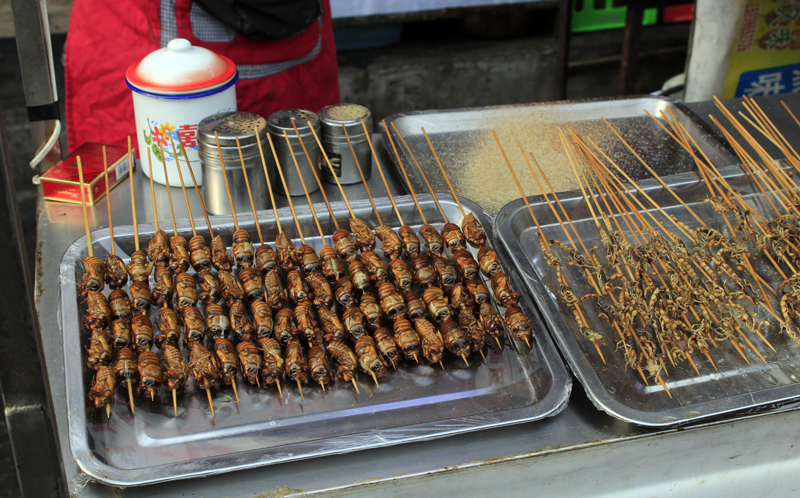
{"x": 280, "y": 123}
{"x": 334, "y": 140}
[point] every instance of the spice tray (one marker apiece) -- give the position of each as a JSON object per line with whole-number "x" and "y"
{"x": 611, "y": 385}
{"x": 414, "y": 403}
{"x": 464, "y": 143}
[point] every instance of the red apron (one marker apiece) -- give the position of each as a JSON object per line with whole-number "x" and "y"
{"x": 106, "y": 37}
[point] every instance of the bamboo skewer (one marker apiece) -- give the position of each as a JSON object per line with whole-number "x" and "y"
{"x": 308, "y": 196}
{"x": 300, "y": 386}
{"x": 333, "y": 172}
{"x": 747, "y": 168}
{"x": 249, "y": 193}
{"x": 438, "y": 162}
{"x": 593, "y": 171}
{"x": 419, "y": 208}
{"x": 130, "y": 396}
{"x": 441, "y": 210}
{"x": 353, "y": 380}
{"x": 682, "y": 229}
{"x": 183, "y": 187}
{"x": 552, "y": 208}
{"x": 612, "y": 194}
{"x": 403, "y": 169}
{"x": 651, "y": 171}
{"x": 152, "y": 189}
{"x": 133, "y": 197}
{"x": 363, "y": 179}
{"x": 711, "y": 182}
{"x": 785, "y": 146}
{"x": 286, "y": 188}
{"x": 266, "y": 174}
{"x": 108, "y": 202}
{"x": 169, "y": 194}
{"x": 597, "y": 225}
{"x": 380, "y": 170}
{"x": 210, "y": 403}
{"x": 745, "y": 163}
{"x": 227, "y": 186}
{"x": 313, "y": 168}
{"x": 769, "y": 163}
{"x": 175, "y": 402}
{"x": 422, "y": 173}
{"x": 376, "y": 379}
{"x": 85, "y": 213}
{"x": 765, "y": 157}
{"x": 543, "y": 238}
{"x": 200, "y": 198}
{"x": 594, "y": 166}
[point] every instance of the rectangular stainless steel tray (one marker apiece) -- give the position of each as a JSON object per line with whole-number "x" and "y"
{"x": 464, "y": 143}
{"x": 612, "y": 386}
{"x": 414, "y": 403}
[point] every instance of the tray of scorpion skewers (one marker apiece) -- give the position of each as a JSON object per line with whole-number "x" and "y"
{"x": 673, "y": 299}
{"x": 226, "y": 352}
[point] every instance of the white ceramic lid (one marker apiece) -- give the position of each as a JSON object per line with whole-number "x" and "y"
{"x": 180, "y": 68}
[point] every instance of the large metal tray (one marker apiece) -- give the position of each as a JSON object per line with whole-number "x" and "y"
{"x": 416, "y": 402}
{"x": 612, "y": 386}
{"x": 464, "y": 143}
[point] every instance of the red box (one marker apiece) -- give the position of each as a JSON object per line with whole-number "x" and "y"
{"x": 678, "y": 13}
{"x": 61, "y": 183}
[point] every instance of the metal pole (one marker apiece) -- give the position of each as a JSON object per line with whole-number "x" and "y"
{"x": 32, "y": 32}
{"x": 28, "y": 413}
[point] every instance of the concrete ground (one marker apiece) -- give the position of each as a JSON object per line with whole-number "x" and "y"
{"x": 436, "y": 65}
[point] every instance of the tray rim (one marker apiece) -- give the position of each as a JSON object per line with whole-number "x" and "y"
{"x": 553, "y": 403}
{"x": 567, "y": 344}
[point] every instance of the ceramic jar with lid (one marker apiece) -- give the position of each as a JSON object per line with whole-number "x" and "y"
{"x": 173, "y": 89}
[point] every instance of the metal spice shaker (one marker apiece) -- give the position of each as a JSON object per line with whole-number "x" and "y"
{"x": 281, "y": 122}
{"x": 230, "y": 125}
{"x": 334, "y": 141}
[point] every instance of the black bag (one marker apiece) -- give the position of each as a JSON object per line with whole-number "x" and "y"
{"x": 264, "y": 18}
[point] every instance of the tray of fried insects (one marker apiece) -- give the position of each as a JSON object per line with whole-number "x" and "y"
{"x": 672, "y": 299}
{"x": 317, "y": 345}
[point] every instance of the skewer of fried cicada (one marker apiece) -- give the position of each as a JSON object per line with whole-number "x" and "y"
{"x": 518, "y": 324}
{"x": 163, "y": 287}
{"x": 431, "y": 338}
{"x": 287, "y": 253}
{"x": 459, "y": 339}
{"x": 362, "y": 234}
{"x": 94, "y": 277}
{"x": 394, "y": 246}
{"x": 199, "y": 253}
{"x": 320, "y": 289}
{"x": 116, "y": 276}
{"x": 138, "y": 268}
{"x": 242, "y": 248}
{"x": 158, "y": 246}
{"x": 177, "y": 243}
{"x": 104, "y": 381}
{"x": 333, "y": 266}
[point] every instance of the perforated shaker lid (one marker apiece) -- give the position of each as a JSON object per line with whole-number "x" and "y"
{"x": 282, "y": 121}
{"x": 180, "y": 68}
{"x": 229, "y": 125}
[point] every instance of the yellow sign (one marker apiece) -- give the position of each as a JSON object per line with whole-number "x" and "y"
{"x": 765, "y": 56}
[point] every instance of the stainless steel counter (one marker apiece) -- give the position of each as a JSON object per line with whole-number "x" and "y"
{"x": 580, "y": 452}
